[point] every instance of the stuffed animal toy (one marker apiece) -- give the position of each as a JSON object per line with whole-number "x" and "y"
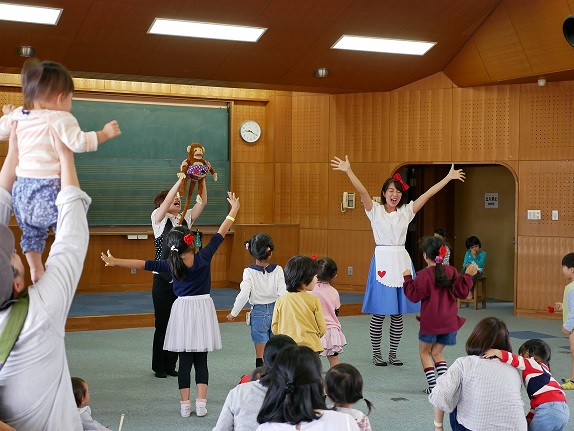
{"x": 194, "y": 169}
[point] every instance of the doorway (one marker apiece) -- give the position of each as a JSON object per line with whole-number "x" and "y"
{"x": 462, "y": 210}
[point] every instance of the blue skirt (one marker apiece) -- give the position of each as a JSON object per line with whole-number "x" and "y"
{"x": 382, "y": 299}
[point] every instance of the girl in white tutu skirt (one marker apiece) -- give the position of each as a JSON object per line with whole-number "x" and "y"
{"x": 193, "y": 330}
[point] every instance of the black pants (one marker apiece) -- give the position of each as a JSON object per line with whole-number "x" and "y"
{"x": 163, "y": 298}
{"x": 186, "y": 361}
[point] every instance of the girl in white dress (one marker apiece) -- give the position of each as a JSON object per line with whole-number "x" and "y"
{"x": 389, "y": 221}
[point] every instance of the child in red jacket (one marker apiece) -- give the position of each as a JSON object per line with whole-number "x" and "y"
{"x": 437, "y": 287}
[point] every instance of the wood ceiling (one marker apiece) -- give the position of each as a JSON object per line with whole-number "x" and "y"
{"x": 478, "y": 42}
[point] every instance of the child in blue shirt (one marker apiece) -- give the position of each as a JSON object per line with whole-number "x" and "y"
{"x": 474, "y": 255}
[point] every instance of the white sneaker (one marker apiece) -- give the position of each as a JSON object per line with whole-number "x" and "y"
{"x": 185, "y": 408}
{"x": 200, "y": 407}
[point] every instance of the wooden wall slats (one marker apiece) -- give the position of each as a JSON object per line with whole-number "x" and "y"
{"x": 309, "y": 194}
{"x": 547, "y": 121}
{"x": 485, "y": 123}
{"x": 310, "y": 129}
{"x": 421, "y": 125}
{"x": 467, "y": 68}
{"x": 254, "y": 184}
{"x": 546, "y": 186}
{"x": 278, "y": 122}
{"x": 351, "y": 248}
{"x": 314, "y": 242}
{"x": 282, "y": 193}
{"x": 360, "y": 125}
{"x": 540, "y": 276}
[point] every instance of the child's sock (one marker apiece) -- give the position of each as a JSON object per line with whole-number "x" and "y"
{"x": 431, "y": 379}
{"x": 200, "y": 407}
{"x": 441, "y": 368}
{"x": 258, "y": 362}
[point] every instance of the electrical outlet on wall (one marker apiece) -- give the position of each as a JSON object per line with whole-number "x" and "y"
{"x": 349, "y": 270}
{"x": 132, "y": 270}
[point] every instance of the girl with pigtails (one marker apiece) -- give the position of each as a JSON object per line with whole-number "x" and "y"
{"x": 263, "y": 282}
{"x": 437, "y": 287}
{"x": 193, "y": 330}
{"x": 390, "y": 220}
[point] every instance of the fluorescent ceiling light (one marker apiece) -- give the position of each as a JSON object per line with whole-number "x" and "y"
{"x": 375, "y": 44}
{"x": 174, "y": 27}
{"x": 32, "y": 14}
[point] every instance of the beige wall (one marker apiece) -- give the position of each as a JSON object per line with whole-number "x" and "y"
{"x": 495, "y": 227}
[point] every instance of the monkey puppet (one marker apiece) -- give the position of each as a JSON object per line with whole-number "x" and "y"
{"x": 194, "y": 169}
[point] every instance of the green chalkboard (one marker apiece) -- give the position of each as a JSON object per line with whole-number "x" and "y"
{"x": 126, "y": 173}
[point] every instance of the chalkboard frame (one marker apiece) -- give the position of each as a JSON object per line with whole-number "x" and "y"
{"x": 123, "y": 184}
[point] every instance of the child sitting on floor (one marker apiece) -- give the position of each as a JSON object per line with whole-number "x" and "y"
{"x": 82, "y": 396}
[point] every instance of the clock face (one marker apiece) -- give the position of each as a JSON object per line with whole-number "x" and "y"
{"x": 250, "y": 131}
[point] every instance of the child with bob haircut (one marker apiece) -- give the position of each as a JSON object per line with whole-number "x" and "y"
{"x": 567, "y": 308}
{"x": 480, "y": 394}
{"x": 333, "y": 340}
{"x": 344, "y": 386}
{"x": 296, "y": 396}
{"x": 474, "y": 255}
{"x": 193, "y": 329}
{"x": 37, "y": 127}
{"x": 82, "y": 396}
{"x": 437, "y": 287}
{"x": 262, "y": 284}
{"x": 297, "y": 313}
{"x": 548, "y": 408}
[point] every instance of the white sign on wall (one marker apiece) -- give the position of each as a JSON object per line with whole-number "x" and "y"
{"x": 491, "y": 200}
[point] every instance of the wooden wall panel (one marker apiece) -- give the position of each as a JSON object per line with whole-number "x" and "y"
{"x": 547, "y": 121}
{"x": 540, "y": 278}
{"x": 279, "y": 123}
{"x": 467, "y": 68}
{"x": 531, "y": 20}
{"x": 314, "y": 242}
{"x": 122, "y": 247}
{"x": 253, "y": 183}
{"x": 310, "y": 128}
{"x": 309, "y": 195}
{"x": 546, "y": 186}
{"x": 432, "y": 82}
{"x": 282, "y": 193}
{"x": 360, "y": 126}
{"x": 351, "y": 248}
{"x": 485, "y": 123}
{"x": 260, "y": 151}
{"x": 500, "y": 48}
{"x": 372, "y": 176}
{"x": 421, "y": 125}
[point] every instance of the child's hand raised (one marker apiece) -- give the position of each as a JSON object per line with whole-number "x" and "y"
{"x": 233, "y": 200}
{"x": 407, "y": 272}
{"x": 492, "y": 353}
{"x": 341, "y": 165}
{"x": 471, "y": 269}
{"x": 112, "y": 129}
{"x": 108, "y": 259}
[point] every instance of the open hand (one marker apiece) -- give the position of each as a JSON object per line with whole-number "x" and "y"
{"x": 455, "y": 174}
{"x": 341, "y": 165}
{"x": 233, "y": 200}
{"x": 492, "y": 353}
{"x": 108, "y": 259}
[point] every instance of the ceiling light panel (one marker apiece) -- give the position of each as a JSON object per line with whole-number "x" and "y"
{"x": 30, "y": 14}
{"x": 173, "y": 27}
{"x": 391, "y": 46}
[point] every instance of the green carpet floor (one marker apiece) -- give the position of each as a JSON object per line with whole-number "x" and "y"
{"x": 116, "y": 365}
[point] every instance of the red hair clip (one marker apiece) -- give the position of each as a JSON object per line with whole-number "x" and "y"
{"x": 314, "y": 256}
{"x": 397, "y": 177}
{"x": 188, "y": 239}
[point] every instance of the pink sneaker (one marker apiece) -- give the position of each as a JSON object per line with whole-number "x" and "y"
{"x": 200, "y": 407}
{"x": 185, "y": 408}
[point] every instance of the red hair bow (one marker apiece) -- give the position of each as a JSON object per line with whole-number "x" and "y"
{"x": 442, "y": 251}
{"x": 314, "y": 256}
{"x": 188, "y": 239}
{"x": 397, "y": 177}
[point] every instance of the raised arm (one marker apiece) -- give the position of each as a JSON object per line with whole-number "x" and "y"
{"x": 8, "y": 172}
{"x": 454, "y": 174}
{"x": 345, "y": 166}
{"x": 199, "y": 206}
{"x": 123, "y": 263}
{"x": 164, "y": 207}
{"x": 230, "y": 218}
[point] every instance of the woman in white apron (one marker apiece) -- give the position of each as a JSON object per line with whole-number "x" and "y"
{"x": 389, "y": 221}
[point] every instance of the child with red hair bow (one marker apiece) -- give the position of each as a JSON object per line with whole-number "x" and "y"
{"x": 437, "y": 287}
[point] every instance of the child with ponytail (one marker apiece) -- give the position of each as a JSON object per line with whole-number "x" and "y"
{"x": 193, "y": 330}
{"x": 437, "y": 287}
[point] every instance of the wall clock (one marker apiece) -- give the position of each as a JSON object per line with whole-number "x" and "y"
{"x": 250, "y": 131}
